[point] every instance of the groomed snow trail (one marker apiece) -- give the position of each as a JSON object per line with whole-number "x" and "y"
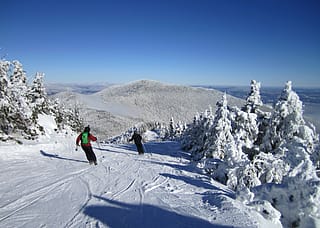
{"x": 50, "y": 185}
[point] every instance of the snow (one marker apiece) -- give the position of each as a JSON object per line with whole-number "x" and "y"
{"x": 96, "y": 102}
{"x": 48, "y": 123}
{"x": 47, "y": 183}
{"x": 150, "y": 136}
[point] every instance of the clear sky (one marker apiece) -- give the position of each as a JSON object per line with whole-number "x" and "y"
{"x": 208, "y": 42}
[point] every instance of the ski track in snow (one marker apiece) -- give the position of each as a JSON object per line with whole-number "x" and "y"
{"x": 56, "y": 188}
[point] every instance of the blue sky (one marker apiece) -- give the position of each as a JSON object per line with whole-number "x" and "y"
{"x": 208, "y": 42}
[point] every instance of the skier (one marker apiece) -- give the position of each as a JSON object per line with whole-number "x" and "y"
{"x": 85, "y": 138}
{"x": 137, "y": 140}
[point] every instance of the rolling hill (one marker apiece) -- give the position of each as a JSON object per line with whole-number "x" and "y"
{"x": 119, "y": 107}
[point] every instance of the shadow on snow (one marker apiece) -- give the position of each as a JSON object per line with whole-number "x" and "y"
{"x": 58, "y": 157}
{"x": 200, "y": 184}
{"x": 116, "y": 146}
{"x": 214, "y": 196}
{"x": 168, "y": 148}
{"x": 188, "y": 167}
{"x": 119, "y": 214}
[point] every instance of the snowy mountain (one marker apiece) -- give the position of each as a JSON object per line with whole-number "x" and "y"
{"x": 117, "y": 108}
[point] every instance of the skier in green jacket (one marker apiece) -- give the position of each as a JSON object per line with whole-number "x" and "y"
{"x": 85, "y": 137}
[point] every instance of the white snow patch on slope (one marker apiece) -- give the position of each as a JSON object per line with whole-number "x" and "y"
{"x": 48, "y": 123}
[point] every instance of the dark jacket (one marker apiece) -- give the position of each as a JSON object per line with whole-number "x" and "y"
{"x": 136, "y": 138}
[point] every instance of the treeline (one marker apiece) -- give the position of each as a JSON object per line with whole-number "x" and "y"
{"x": 269, "y": 157}
{"x": 21, "y": 103}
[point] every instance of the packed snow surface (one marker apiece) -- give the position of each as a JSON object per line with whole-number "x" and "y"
{"x": 48, "y": 184}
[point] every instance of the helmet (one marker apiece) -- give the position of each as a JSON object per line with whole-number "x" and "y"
{"x": 87, "y": 129}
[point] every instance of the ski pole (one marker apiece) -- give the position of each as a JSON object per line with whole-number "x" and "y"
{"x": 98, "y": 145}
{"x": 145, "y": 149}
{"x": 101, "y": 156}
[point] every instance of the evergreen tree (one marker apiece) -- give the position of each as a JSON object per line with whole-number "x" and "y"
{"x": 66, "y": 117}
{"x": 298, "y": 186}
{"x": 172, "y": 130}
{"x": 253, "y": 100}
{"x": 74, "y": 120}
{"x": 201, "y": 134}
{"x": 235, "y": 169}
{"x": 290, "y": 164}
{"x": 19, "y": 90}
{"x": 20, "y": 115}
{"x": 220, "y": 131}
{"x": 21, "y": 104}
{"x": 245, "y": 129}
{"x": 37, "y": 96}
{"x": 283, "y": 153}
{"x": 220, "y": 146}
{"x": 192, "y": 138}
{"x": 161, "y": 130}
{"x": 287, "y": 122}
{"x": 5, "y": 104}
{"x": 4, "y": 72}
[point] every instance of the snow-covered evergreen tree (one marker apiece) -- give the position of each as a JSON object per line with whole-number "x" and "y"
{"x": 283, "y": 149}
{"x": 5, "y": 104}
{"x": 220, "y": 131}
{"x": 37, "y": 96}
{"x": 175, "y": 130}
{"x": 253, "y": 100}
{"x": 19, "y": 90}
{"x": 194, "y": 137}
{"x": 4, "y": 73}
{"x": 287, "y": 121}
{"x": 21, "y": 104}
{"x": 298, "y": 188}
{"x": 222, "y": 152}
{"x": 289, "y": 168}
{"x": 161, "y": 130}
{"x": 245, "y": 129}
{"x": 270, "y": 168}
{"x": 235, "y": 169}
{"x": 172, "y": 130}
{"x": 200, "y": 134}
{"x": 21, "y": 114}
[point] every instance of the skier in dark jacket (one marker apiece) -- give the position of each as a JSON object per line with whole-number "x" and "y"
{"x": 85, "y": 137}
{"x": 137, "y": 140}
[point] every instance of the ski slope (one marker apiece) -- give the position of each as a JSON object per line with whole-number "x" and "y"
{"x": 49, "y": 184}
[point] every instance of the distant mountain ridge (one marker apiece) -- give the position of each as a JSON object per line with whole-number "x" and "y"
{"x": 88, "y": 88}
{"x": 269, "y": 95}
{"x": 119, "y": 107}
